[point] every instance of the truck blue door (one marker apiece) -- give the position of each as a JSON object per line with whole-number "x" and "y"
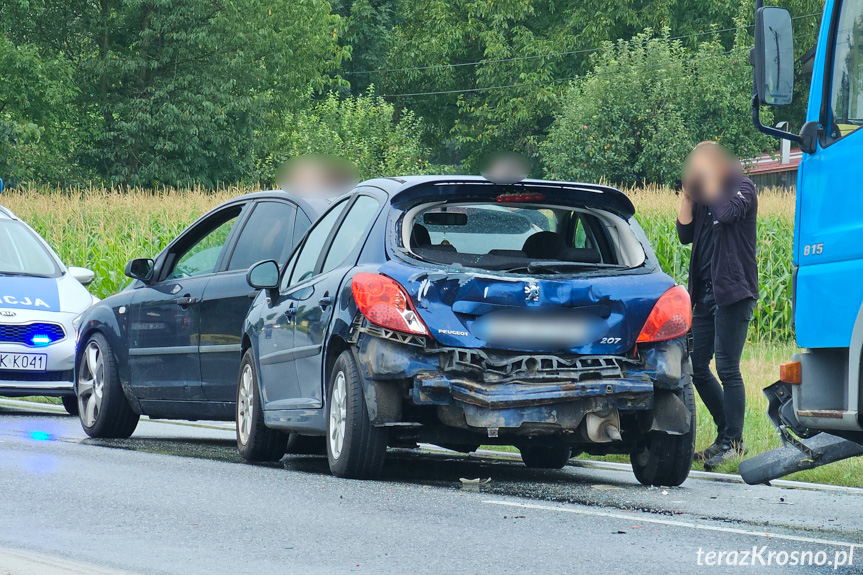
{"x": 829, "y": 240}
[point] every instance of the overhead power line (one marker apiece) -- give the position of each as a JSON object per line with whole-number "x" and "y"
{"x": 557, "y": 80}
{"x": 568, "y": 79}
{"x": 540, "y": 56}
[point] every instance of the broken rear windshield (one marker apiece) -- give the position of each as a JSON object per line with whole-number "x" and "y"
{"x": 515, "y": 237}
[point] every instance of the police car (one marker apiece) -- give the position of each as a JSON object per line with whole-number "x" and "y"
{"x": 41, "y": 301}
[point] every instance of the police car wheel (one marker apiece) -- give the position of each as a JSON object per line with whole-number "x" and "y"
{"x": 70, "y": 404}
{"x": 102, "y": 406}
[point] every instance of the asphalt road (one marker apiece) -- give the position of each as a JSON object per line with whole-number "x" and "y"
{"x": 176, "y": 499}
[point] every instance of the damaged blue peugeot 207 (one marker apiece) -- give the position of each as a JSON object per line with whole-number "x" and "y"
{"x": 460, "y": 312}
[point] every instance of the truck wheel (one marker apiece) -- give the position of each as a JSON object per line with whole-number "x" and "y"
{"x": 70, "y": 404}
{"x": 255, "y": 441}
{"x": 355, "y": 448}
{"x": 306, "y": 444}
{"x": 553, "y": 457}
{"x": 667, "y": 459}
{"x": 102, "y": 406}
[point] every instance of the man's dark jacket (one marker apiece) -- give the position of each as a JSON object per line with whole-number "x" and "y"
{"x": 734, "y": 267}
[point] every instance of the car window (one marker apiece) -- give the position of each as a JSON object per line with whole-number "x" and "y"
{"x": 22, "y": 253}
{"x": 495, "y": 236}
{"x": 351, "y": 231}
{"x": 266, "y": 235}
{"x": 203, "y": 255}
{"x": 305, "y": 260}
{"x": 301, "y": 226}
{"x": 846, "y": 98}
{"x": 479, "y": 228}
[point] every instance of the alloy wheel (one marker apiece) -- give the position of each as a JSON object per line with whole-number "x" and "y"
{"x": 91, "y": 384}
{"x": 245, "y": 404}
{"x": 338, "y": 415}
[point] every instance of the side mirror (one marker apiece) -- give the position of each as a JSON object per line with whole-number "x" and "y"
{"x": 773, "y": 56}
{"x": 263, "y": 275}
{"x": 83, "y": 275}
{"x": 140, "y": 269}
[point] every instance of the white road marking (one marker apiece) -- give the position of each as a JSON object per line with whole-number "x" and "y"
{"x": 641, "y": 518}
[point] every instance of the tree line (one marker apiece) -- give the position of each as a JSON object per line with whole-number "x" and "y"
{"x": 209, "y": 92}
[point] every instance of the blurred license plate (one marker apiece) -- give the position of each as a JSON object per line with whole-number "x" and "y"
{"x": 557, "y": 330}
{"x": 23, "y": 361}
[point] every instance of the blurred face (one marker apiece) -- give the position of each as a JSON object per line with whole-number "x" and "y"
{"x": 707, "y": 172}
{"x": 317, "y": 176}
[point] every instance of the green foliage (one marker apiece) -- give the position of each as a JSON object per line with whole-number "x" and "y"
{"x": 197, "y": 92}
{"x": 365, "y": 129}
{"x": 178, "y": 90}
{"x": 36, "y": 135}
{"x": 515, "y": 98}
{"x": 643, "y": 107}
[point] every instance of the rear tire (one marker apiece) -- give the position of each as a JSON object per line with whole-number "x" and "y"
{"x": 255, "y": 441}
{"x": 104, "y": 411}
{"x": 355, "y": 448}
{"x": 667, "y": 459}
{"x": 541, "y": 457}
{"x": 306, "y": 444}
{"x": 70, "y": 404}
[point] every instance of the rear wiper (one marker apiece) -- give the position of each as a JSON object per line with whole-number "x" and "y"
{"x": 561, "y": 265}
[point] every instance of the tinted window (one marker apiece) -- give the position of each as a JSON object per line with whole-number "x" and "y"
{"x": 301, "y": 226}
{"x": 351, "y": 231}
{"x": 22, "y": 253}
{"x": 203, "y": 255}
{"x": 846, "y": 98}
{"x": 305, "y": 260}
{"x": 266, "y": 235}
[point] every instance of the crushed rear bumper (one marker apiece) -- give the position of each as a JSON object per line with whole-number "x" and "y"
{"x": 481, "y": 390}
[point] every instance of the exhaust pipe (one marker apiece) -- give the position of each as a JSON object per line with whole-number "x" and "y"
{"x": 603, "y": 426}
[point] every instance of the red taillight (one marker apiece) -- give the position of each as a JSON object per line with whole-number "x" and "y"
{"x": 521, "y": 197}
{"x": 384, "y": 302}
{"x": 671, "y": 317}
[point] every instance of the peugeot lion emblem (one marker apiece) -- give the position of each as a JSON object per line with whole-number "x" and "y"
{"x": 531, "y": 292}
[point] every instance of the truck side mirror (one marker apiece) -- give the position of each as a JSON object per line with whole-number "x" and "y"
{"x": 773, "y": 56}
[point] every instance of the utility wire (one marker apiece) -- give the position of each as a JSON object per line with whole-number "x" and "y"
{"x": 554, "y": 81}
{"x": 571, "y": 78}
{"x": 547, "y": 55}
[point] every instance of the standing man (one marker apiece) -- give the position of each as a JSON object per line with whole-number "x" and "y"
{"x": 717, "y": 216}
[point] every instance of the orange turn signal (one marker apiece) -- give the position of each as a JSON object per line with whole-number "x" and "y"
{"x": 791, "y": 372}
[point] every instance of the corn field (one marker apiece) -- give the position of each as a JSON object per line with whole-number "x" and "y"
{"x": 103, "y": 228}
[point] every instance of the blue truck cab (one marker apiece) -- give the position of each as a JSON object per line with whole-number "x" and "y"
{"x": 818, "y": 397}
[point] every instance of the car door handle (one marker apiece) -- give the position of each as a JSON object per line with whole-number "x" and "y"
{"x": 325, "y": 302}
{"x": 186, "y": 300}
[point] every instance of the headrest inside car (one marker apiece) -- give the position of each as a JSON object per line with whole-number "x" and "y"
{"x": 420, "y": 236}
{"x": 543, "y": 246}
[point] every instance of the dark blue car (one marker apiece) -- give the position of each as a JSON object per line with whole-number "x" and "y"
{"x": 168, "y": 345}
{"x": 460, "y": 312}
